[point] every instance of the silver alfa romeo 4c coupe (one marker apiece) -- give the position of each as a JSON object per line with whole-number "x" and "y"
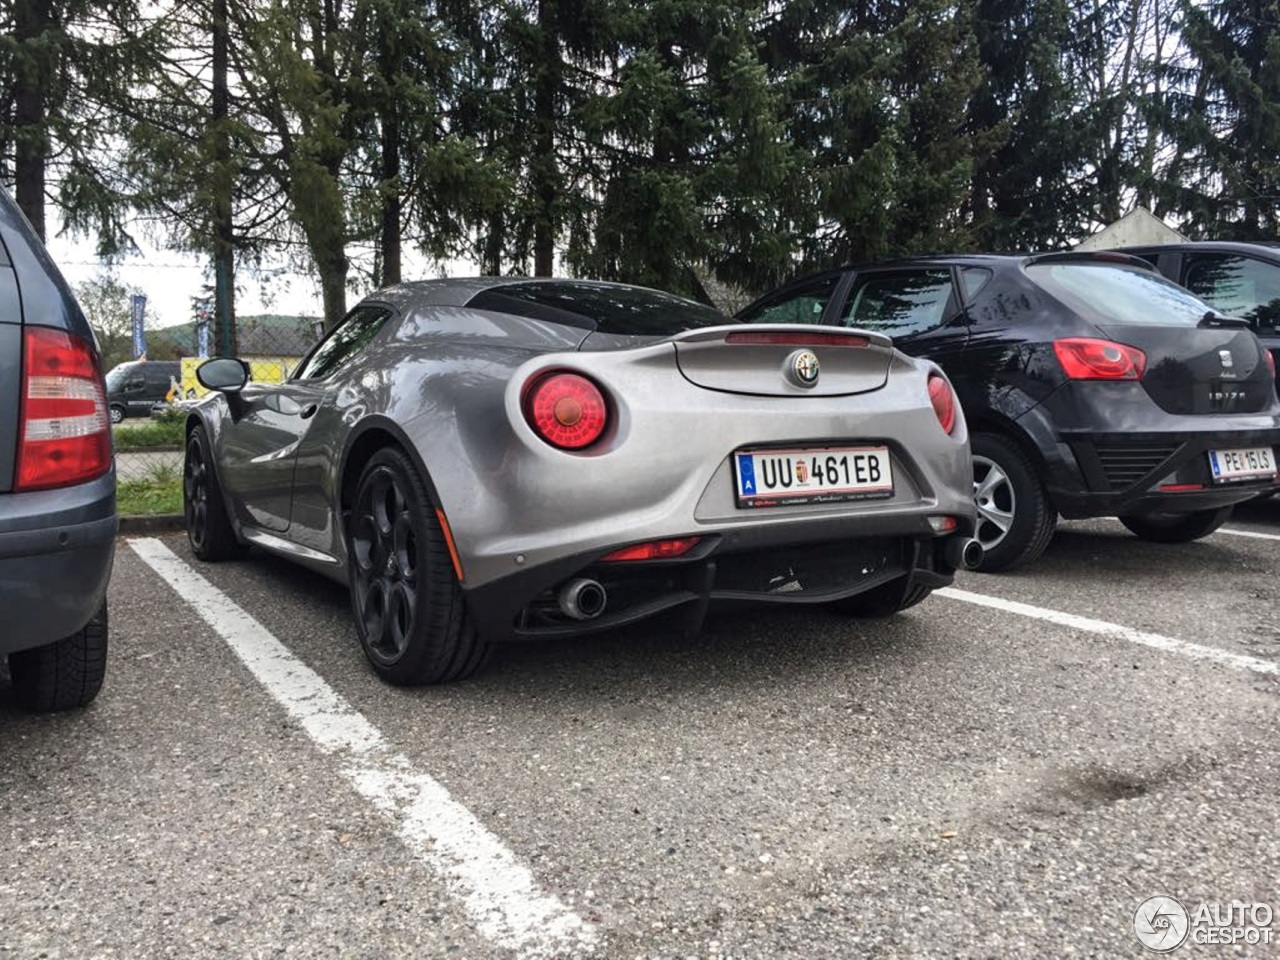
{"x": 512, "y": 458}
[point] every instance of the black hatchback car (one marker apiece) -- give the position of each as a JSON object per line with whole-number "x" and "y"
{"x": 1092, "y": 386}
{"x": 57, "y": 482}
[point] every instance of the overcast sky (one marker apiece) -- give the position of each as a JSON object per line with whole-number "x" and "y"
{"x": 170, "y": 280}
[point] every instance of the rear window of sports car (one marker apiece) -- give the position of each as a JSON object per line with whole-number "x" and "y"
{"x": 626, "y": 311}
{"x": 1120, "y": 294}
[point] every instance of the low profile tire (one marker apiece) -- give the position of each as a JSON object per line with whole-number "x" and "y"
{"x": 1016, "y": 521}
{"x": 62, "y": 675}
{"x": 884, "y": 600}
{"x": 208, "y": 527}
{"x": 117, "y": 414}
{"x": 410, "y": 614}
{"x": 1177, "y": 527}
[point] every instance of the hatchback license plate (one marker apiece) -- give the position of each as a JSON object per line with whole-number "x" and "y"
{"x": 1246, "y": 463}
{"x": 770, "y": 478}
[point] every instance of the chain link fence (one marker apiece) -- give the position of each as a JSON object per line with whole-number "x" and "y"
{"x": 149, "y": 396}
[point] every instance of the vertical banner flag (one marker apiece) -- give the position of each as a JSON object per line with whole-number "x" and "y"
{"x": 204, "y": 310}
{"x": 139, "y": 332}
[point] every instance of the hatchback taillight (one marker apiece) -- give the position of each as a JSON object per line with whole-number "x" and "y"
{"x": 1083, "y": 358}
{"x": 566, "y": 410}
{"x": 65, "y": 433}
{"x": 1271, "y": 361}
{"x": 943, "y": 399}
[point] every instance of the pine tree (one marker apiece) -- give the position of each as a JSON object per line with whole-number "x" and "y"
{"x": 687, "y": 151}
{"x": 1030, "y": 146}
{"x": 66, "y": 67}
{"x": 1223, "y": 118}
{"x": 876, "y": 97}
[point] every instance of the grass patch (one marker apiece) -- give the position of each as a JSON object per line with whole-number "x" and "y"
{"x": 150, "y": 434}
{"x": 158, "y": 494}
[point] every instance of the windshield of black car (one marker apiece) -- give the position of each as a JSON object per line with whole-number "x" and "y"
{"x": 601, "y": 307}
{"x": 116, "y": 376}
{"x": 1118, "y": 293}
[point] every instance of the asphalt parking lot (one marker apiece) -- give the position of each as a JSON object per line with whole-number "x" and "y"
{"x": 1009, "y": 769}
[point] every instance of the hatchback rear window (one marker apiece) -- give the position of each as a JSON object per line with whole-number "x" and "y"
{"x": 1120, "y": 294}
{"x": 626, "y": 311}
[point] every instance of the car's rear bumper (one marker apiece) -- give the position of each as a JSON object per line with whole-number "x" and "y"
{"x": 56, "y": 551}
{"x": 1112, "y": 453}
{"x": 758, "y": 564}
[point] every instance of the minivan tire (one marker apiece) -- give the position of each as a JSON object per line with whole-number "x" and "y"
{"x": 62, "y": 675}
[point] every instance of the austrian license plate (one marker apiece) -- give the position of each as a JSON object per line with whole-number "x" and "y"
{"x": 771, "y": 478}
{"x": 1246, "y": 463}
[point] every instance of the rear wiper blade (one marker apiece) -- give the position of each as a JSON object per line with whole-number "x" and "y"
{"x": 1215, "y": 319}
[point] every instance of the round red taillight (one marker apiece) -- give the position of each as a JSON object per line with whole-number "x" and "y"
{"x": 566, "y": 410}
{"x": 943, "y": 400}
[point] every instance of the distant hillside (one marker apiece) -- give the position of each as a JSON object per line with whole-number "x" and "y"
{"x": 264, "y": 335}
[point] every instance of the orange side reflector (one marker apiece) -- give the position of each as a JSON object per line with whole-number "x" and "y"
{"x": 448, "y": 539}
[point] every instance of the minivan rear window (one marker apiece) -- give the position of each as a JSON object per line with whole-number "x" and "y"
{"x": 1116, "y": 293}
{"x": 627, "y": 311}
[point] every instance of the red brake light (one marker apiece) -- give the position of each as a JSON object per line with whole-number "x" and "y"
{"x": 1271, "y": 361}
{"x": 944, "y": 401}
{"x": 656, "y": 550}
{"x": 798, "y": 339}
{"x": 1086, "y": 359}
{"x": 65, "y": 433}
{"x": 566, "y": 410}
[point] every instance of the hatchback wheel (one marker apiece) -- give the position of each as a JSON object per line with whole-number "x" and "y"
{"x": 1177, "y": 527}
{"x": 1015, "y": 518}
{"x": 409, "y": 610}
{"x": 884, "y": 600}
{"x": 117, "y": 414}
{"x": 209, "y": 529}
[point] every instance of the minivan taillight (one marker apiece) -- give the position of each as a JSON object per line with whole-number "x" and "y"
{"x": 1083, "y": 358}
{"x": 64, "y": 432}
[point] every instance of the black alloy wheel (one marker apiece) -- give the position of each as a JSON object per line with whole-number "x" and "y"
{"x": 209, "y": 529}
{"x": 410, "y": 612}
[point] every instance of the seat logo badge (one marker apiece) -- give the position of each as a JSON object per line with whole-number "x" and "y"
{"x": 803, "y": 368}
{"x": 1227, "y": 360}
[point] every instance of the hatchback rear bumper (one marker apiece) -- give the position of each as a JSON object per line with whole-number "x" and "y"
{"x": 1101, "y": 474}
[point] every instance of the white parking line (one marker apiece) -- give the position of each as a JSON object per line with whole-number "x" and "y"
{"x": 495, "y": 888}
{"x": 1102, "y": 627}
{"x": 1248, "y": 533}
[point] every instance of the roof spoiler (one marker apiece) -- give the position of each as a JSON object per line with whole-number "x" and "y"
{"x": 1090, "y": 256}
{"x": 801, "y": 333}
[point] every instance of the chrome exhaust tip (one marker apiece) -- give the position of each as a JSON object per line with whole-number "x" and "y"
{"x": 582, "y": 599}
{"x": 964, "y": 554}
